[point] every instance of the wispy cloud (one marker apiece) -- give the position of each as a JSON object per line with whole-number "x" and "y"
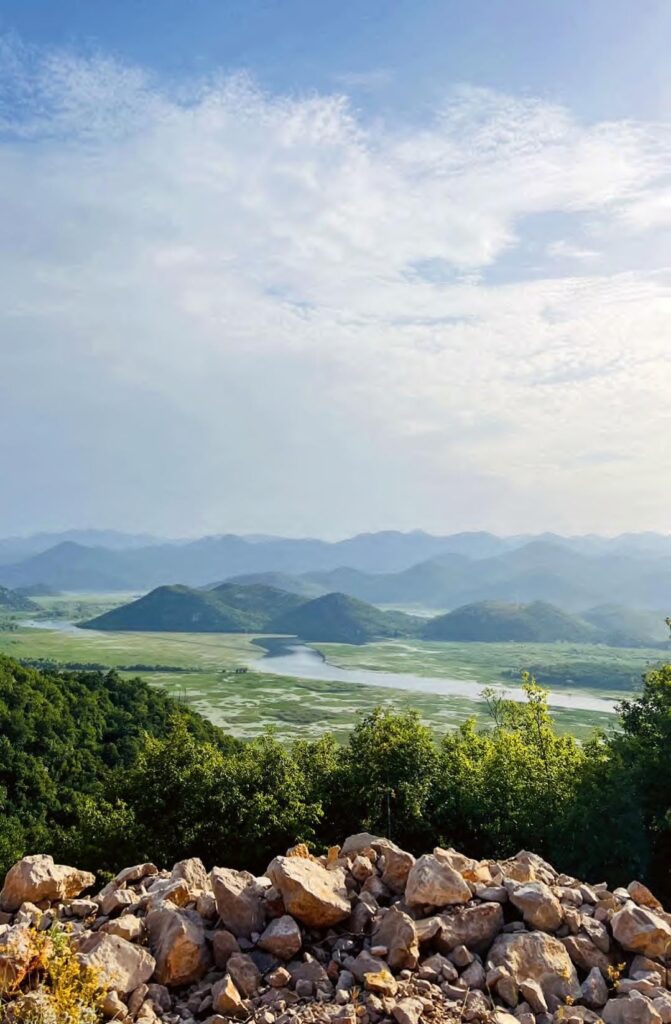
{"x": 244, "y": 267}
{"x": 371, "y": 79}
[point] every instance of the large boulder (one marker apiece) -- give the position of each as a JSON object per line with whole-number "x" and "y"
{"x": 120, "y": 965}
{"x": 239, "y": 901}
{"x": 435, "y": 882}
{"x": 177, "y": 939}
{"x": 38, "y": 878}
{"x": 537, "y": 957}
{"x": 397, "y": 932}
{"x": 310, "y": 893}
{"x": 640, "y": 930}
{"x": 539, "y": 906}
{"x": 473, "y": 927}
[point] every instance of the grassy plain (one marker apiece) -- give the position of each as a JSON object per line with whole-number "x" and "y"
{"x": 201, "y": 670}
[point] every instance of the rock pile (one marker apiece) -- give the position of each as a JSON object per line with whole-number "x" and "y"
{"x": 363, "y": 935}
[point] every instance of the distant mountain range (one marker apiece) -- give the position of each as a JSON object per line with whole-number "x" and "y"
{"x": 339, "y": 618}
{"x": 389, "y": 568}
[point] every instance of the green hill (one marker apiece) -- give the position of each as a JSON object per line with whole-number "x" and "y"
{"x": 228, "y": 608}
{"x": 493, "y": 621}
{"x": 337, "y": 618}
{"x": 628, "y": 627}
{"x": 12, "y": 601}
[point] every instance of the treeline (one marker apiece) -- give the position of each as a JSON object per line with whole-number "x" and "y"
{"x": 105, "y": 772}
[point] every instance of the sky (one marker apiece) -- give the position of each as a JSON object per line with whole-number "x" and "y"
{"x": 319, "y": 268}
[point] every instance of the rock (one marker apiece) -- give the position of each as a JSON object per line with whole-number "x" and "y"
{"x": 381, "y": 982}
{"x": 113, "y": 1007}
{"x": 223, "y": 944}
{"x": 474, "y": 927}
{"x": 594, "y": 990}
{"x": 128, "y": 927}
{"x": 118, "y": 899}
{"x": 177, "y": 939}
{"x": 397, "y": 862}
{"x": 597, "y": 932}
{"x": 362, "y": 868}
{"x": 640, "y": 930}
{"x": 282, "y": 938}
{"x": 239, "y": 901}
{"x": 474, "y": 976}
{"x": 396, "y": 931}
{"x": 533, "y": 993}
{"x": 121, "y": 965}
{"x": 539, "y": 957}
{"x": 408, "y": 1010}
{"x": 311, "y": 894}
{"x": 434, "y": 882}
{"x": 642, "y": 896}
{"x": 16, "y": 955}
{"x": 192, "y": 871}
{"x": 279, "y": 978}
{"x": 633, "y": 1009}
{"x": 244, "y": 973}
{"x": 585, "y": 955}
{"x": 38, "y": 878}
{"x": 539, "y": 906}
{"x": 225, "y": 997}
{"x": 663, "y": 1006}
{"x": 136, "y": 873}
{"x": 364, "y": 964}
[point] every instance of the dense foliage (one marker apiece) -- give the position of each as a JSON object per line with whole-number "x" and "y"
{"x": 105, "y": 772}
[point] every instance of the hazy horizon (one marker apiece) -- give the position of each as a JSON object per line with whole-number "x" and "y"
{"x": 316, "y": 271}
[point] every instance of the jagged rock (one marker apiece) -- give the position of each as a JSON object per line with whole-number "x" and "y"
{"x": 118, "y": 899}
{"x": 364, "y": 963}
{"x": 239, "y": 901}
{"x": 177, "y": 940}
{"x": 662, "y": 1004}
{"x": 193, "y": 872}
{"x": 397, "y": 862}
{"x": 113, "y": 1007}
{"x": 396, "y": 931}
{"x": 597, "y": 932}
{"x": 635, "y": 1009}
{"x": 642, "y": 896}
{"x": 539, "y": 957}
{"x": 474, "y": 927}
{"x": 223, "y": 944}
{"x": 120, "y": 964}
{"x": 408, "y": 1010}
{"x": 640, "y": 930}
{"x": 435, "y": 883}
{"x": 128, "y": 927}
{"x": 38, "y": 878}
{"x": 16, "y": 954}
{"x": 225, "y": 997}
{"x": 136, "y": 873}
{"x": 534, "y": 995}
{"x": 594, "y": 990}
{"x": 282, "y": 938}
{"x": 382, "y": 982}
{"x": 585, "y": 954}
{"x": 540, "y": 907}
{"x": 311, "y": 894}
{"x": 244, "y": 973}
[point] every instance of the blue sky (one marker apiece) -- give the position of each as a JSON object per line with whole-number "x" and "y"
{"x": 316, "y": 268}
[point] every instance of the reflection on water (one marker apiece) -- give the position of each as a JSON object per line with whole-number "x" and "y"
{"x": 286, "y": 657}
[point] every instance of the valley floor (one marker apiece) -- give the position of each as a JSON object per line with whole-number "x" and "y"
{"x": 201, "y": 670}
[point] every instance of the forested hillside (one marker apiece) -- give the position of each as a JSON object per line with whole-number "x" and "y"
{"x": 103, "y": 772}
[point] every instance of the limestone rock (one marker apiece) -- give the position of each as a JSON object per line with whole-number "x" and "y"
{"x": 225, "y": 997}
{"x": 474, "y": 927}
{"x": 193, "y": 872}
{"x": 640, "y": 930}
{"x": 642, "y": 896}
{"x": 434, "y": 882}
{"x": 122, "y": 965}
{"x": 633, "y": 1009}
{"x": 239, "y": 901}
{"x": 223, "y": 944}
{"x": 539, "y": 906}
{"x": 16, "y": 954}
{"x": 245, "y": 974}
{"x": 539, "y": 957}
{"x": 396, "y": 931}
{"x": 282, "y": 938}
{"x": 38, "y": 878}
{"x": 310, "y": 892}
{"x": 408, "y": 1010}
{"x": 594, "y": 990}
{"x": 177, "y": 940}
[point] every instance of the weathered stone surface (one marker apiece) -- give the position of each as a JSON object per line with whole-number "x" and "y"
{"x": 38, "y": 878}
{"x": 225, "y": 997}
{"x": 239, "y": 901}
{"x": 16, "y": 954}
{"x": 397, "y": 862}
{"x": 223, "y": 944}
{"x": 396, "y": 931}
{"x": 642, "y": 896}
{"x": 282, "y": 938}
{"x": 136, "y": 873}
{"x": 128, "y": 927}
{"x": 381, "y": 982}
{"x": 177, "y": 939}
{"x": 474, "y": 927}
{"x": 635, "y": 1009}
{"x": 244, "y": 973}
{"x": 408, "y": 1010}
{"x": 594, "y": 990}
{"x": 311, "y": 894}
{"x": 640, "y": 930}
{"x": 539, "y": 957}
{"x": 585, "y": 954}
{"x": 192, "y": 871}
{"x": 121, "y": 964}
{"x": 539, "y": 906}
{"x": 435, "y": 883}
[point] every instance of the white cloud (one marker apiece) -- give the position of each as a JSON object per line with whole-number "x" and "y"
{"x": 220, "y": 302}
